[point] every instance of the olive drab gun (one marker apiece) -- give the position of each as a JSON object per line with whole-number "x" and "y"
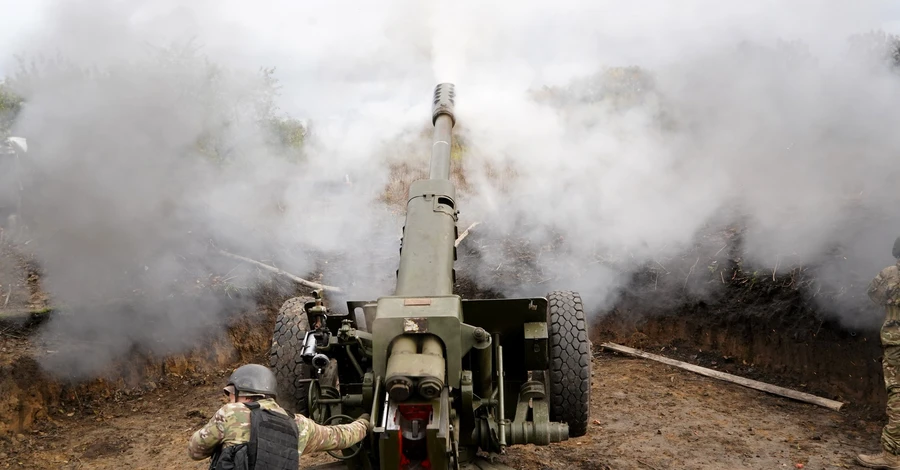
{"x": 449, "y": 383}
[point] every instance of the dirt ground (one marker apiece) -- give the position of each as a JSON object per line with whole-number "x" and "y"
{"x": 645, "y": 415}
{"x": 19, "y": 281}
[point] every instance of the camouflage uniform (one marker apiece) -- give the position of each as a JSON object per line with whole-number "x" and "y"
{"x": 231, "y": 425}
{"x": 885, "y": 290}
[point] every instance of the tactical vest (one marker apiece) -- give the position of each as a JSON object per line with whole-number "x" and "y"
{"x": 272, "y": 446}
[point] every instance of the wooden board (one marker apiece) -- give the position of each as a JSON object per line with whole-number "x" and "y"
{"x": 774, "y": 389}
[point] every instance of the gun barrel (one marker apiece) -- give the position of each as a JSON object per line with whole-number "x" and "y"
{"x": 427, "y": 249}
{"x": 443, "y": 119}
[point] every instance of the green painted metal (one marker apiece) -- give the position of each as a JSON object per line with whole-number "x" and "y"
{"x": 480, "y": 367}
{"x": 536, "y": 350}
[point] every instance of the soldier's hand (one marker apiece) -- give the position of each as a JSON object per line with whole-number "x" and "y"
{"x": 368, "y": 420}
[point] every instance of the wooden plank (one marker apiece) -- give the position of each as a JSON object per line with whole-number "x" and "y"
{"x": 774, "y": 389}
{"x": 293, "y": 277}
{"x": 23, "y": 313}
{"x": 465, "y": 234}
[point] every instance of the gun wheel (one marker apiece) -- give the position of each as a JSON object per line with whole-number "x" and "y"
{"x": 325, "y": 386}
{"x": 291, "y": 372}
{"x": 570, "y": 361}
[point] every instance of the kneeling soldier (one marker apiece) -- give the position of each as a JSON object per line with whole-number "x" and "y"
{"x": 253, "y": 432}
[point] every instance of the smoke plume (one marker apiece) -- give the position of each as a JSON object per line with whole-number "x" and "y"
{"x": 624, "y": 133}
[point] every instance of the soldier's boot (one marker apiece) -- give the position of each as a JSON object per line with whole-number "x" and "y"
{"x": 883, "y": 460}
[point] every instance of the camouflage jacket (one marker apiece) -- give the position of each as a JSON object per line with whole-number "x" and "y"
{"x": 885, "y": 288}
{"x": 231, "y": 425}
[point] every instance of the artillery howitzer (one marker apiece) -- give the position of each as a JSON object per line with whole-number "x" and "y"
{"x": 442, "y": 377}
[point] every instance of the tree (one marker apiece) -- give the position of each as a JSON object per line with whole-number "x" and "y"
{"x": 877, "y": 46}
{"x": 231, "y": 103}
{"x": 10, "y": 105}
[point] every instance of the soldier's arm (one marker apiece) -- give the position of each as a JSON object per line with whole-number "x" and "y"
{"x": 205, "y": 440}
{"x": 878, "y": 287}
{"x": 315, "y": 437}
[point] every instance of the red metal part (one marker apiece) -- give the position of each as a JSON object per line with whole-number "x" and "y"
{"x": 409, "y": 413}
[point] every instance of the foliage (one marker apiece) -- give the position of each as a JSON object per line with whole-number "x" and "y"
{"x": 612, "y": 89}
{"x": 10, "y": 105}
{"x": 878, "y": 46}
{"x": 618, "y": 88}
{"x": 287, "y": 132}
{"x": 230, "y": 102}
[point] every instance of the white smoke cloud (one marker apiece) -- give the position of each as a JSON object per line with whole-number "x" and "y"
{"x": 795, "y": 149}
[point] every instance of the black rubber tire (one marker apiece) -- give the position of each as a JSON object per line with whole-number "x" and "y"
{"x": 291, "y": 326}
{"x": 570, "y": 361}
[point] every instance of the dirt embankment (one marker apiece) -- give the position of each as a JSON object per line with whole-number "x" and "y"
{"x": 805, "y": 353}
{"x": 762, "y": 327}
{"x": 29, "y": 395}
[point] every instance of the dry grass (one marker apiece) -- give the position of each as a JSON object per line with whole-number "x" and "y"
{"x": 404, "y": 174}
{"x": 405, "y": 170}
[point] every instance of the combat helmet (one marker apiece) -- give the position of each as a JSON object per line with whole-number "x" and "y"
{"x": 253, "y": 379}
{"x": 897, "y": 248}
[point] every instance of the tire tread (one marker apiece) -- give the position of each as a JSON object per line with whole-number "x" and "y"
{"x": 291, "y": 326}
{"x": 570, "y": 361}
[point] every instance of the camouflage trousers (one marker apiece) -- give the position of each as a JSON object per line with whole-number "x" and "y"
{"x": 890, "y": 341}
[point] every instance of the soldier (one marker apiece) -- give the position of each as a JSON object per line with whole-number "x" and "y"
{"x": 885, "y": 290}
{"x": 252, "y": 431}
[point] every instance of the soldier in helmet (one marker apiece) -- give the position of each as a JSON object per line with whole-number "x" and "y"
{"x": 885, "y": 290}
{"x": 253, "y": 432}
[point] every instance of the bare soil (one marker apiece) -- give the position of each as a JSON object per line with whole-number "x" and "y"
{"x": 645, "y": 415}
{"x": 20, "y": 290}
{"x": 111, "y": 426}
{"x": 648, "y": 415}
